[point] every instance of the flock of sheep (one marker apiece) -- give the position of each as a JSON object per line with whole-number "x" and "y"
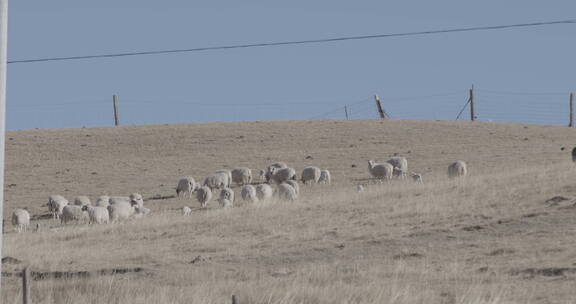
{"x": 277, "y": 180}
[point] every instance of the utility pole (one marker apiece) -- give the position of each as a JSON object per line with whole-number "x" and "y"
{"x": 472, "y": 112}
{"x": 379, "y": 106}
{"x": 571, "y": 124}
{"x": 3, "y": 63}
{"x": 116, "y": 112}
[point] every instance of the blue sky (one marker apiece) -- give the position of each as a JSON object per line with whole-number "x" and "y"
{"x": 522, "y": 75}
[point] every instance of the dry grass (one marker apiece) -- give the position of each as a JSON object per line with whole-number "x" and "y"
{"x": 491, "y": 238}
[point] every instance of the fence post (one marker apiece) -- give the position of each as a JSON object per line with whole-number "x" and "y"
{"x": 571, "y": 124}
{"x": 346, "y": 111}
{"x": 234, "y": 299}
{"x": 379, "y": 105}
{"x": 472, "y": 112}
{"x": 116, "y": 112}
{"x": 26, "y": 286}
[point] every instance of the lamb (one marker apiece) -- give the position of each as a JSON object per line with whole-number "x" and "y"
{"x": 286, "y": 192}
{"x": 186, "y": 211}
{"x": 416, "y": 177}
{"x": 55, "y": 205}
{"x": 294, "y": 185}
{"x": 203, "y": 195}
{"x": 72, "y": 213}
{"x": 264, "y": 192}
{"x": 82, "y": 200}
{"x": 241, "y": 176}
{"x": 278, "y": 165}
{"x": 121, "y": 211}
{"x": 283, "y": 174}
{"x": 226, "y": 198}
{"x": 20, "y": 220}
{"x": 136, "y": 199}
{"x": 97, "y": 214}
{"x": 400, "y": 165}
{"x": 325, "y": 177}
{"x": 218, "y": 180}
{"x": 103, "y": 201}
{"x": 186, "y": 185}
{"x": 310, "y": 175}
{"x": 380, "y": 171}
{"x": 248, "y": 194}
{"x": 457, "y": 169}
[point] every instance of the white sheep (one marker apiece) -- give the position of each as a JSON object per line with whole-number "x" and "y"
{"x": 294, "y": 185}
{"x": 226, "y": 198}
{"x": 140, "y": 211}
{"x": 20, "y": 220}
{"x": 400, "y": 165}
{"x": 280, "y": 175}
{"x": 229, "y": 174}
{"x": 416, "y": 177}
{"x": 186, "y": 185}
{"x": 218, "y": 180}
{"x": 325, "y": 177}
{"x": 121, "y": 210}
{"x": 241, "y": 176}
{"x": 380, "y": 171}
{"x": 278, "y": 165}
{"x": 286, "y": 192}
{"x": 73, "y": 213}
{"x": 203, "y": 195}
{"x": 97, "y": 214}
{"x": 137, "y": 199}
{"x": 310, "y": 175}
{"x": 82, "y": 200}
{"x": 55, "y": 205}
{"x": 186, "y": 211}
{"x": 457, "y": 169}
{"x": 103, "y": 201}
{"x": 248, "y": 194}
{"x": 264, "y": 192}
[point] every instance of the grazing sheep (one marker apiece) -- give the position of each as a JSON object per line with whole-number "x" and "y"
{"x": 248, "y": 194}
{"x": 203, "y": 195}
{"x": 457, "y": 169}
{"x": 416, "y": 177}
{"x": 400, "y": 165}
{"x": 55, "y": 205}
{"x": 241, "y": 176}
{"x": 286, "y": 192}
{"x": 186, "y": 185}
{"x": 264, "y": 192}
{"x": 310, "y": 175}
{"x": 325, "y": 177}
{"x": 121, "y": 210}
{"x": 380, "y": 171}
{"x": 278, "y": 165}
{"x": 82, "y": 200}
{"x": 218, "y": 180}
{"x": 103, "y": 201}
{"x": 96, "y": 214}
{"x": 20, "y": 220}
{"x": 73, "y": 213}
{"x": 186, "y": 211}
{"x": 283, "y": 174}
{"x": 360, "y": 188}
{"x": 229, "y": 174}
{"x": 226, "y": 198}
{"x": 294, "y": 185}
{"x": 136, "y": 199}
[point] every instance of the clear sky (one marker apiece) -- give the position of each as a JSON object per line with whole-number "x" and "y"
{"x": 520, "y": 74}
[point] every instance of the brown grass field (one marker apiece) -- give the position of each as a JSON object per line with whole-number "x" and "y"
{"x": 494, "y": 237}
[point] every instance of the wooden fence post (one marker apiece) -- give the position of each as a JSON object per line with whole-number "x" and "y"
{"x": 116, "y": 112}
{"x": 379, "y": 105}
{"x": 472, "y": 112}
{"x": 26, "y": 286}
{"x": 234, "y": 299}
{"x": 571, "y": 123}
{"x": 346, "y": 111}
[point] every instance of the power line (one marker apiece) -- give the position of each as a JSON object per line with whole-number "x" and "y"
{"x": 300, "y": 42}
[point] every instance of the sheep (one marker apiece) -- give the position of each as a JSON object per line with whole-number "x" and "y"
{"x": 73, "y": 213}
{"x": 136, "y": 199}
{"x": 103, "y": 201}
{"x": 416, "y": 177}
{"x": 226, "y": 198}
{"x": 294, "y": 185}
{"x": 262, "y": 176}
{"x": 55, "y": 205}
{"x": 186, "y": 185}
{"x": 140, "y": 211}
{"x": 186, "y": 211}
{"x": 241, "y": 176}
{"x": 97, "y": 214}
{"x": 380, "y": 171}
{"x": 310, "y": 175}
{"x": 457, "y": 169}
{"x": 20, "y": 220}
{"x": 400, "y": 165}
{"x": 121, "y": 210}
{"x": 203, "y": 195}
{"x": 278, "y": 165}
{"x": 218, "y": 180}
{"x": 360, "y": 188}
{"x": 248, "y": 194}
{"x": 286, "y": 192}
{"x": 283, "y": 174}
{"x": 82, "y": 201}
{"x": 264, "y": 192}
{"x": 325, "y": 177}
{"x": 229, "y": 174}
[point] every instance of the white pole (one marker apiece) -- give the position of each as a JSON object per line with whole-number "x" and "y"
{"x": 3, "y": 60}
